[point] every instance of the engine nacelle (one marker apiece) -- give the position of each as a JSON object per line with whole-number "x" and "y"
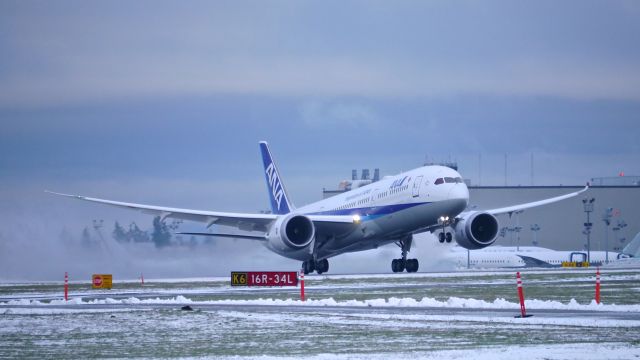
{"x": 477, "y": 231}
{"x": 292, "y": 231}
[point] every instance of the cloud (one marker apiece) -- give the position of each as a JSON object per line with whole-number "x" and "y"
{"x": 370, "y": 50}
{"x": 339, "y": 114}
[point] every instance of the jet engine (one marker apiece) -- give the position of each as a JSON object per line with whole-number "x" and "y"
{"x": 476, "y": 231}
{"x": 292, "y": 232}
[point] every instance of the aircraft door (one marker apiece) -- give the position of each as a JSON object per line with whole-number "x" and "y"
{"x": 578, "y": 257}
{"x": 416, "y": 186}
{"x": 374, "y": 197}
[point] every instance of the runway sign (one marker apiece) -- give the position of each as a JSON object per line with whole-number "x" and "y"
{"x": 575, "y": 264}
{"x": 101, "y": 281}
{"x": 264, "y": 278}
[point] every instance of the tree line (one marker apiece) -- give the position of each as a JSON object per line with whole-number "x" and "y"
{"x": 160, "y": 234}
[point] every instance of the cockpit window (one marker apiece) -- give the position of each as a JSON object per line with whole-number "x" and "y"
{"x": 449, "y": 180}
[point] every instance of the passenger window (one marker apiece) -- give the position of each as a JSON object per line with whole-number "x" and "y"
{"x": 439, "y": 181}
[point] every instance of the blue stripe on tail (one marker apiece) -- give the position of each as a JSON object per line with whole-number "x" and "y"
{"x": 277, "y": 193}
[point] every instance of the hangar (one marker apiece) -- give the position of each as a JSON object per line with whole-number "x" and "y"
{"x": 561, "y": 226}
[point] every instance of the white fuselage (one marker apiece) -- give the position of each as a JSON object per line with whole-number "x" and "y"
{"x": 388, "y": 209}
{"x": 523, "y": 256}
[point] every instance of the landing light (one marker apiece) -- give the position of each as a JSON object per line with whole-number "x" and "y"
{"x": 356, "y": 218}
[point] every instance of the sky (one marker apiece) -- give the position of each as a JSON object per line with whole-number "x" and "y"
{"x": 164, "y": 102}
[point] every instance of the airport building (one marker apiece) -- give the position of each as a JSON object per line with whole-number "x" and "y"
{"x": 614, "y": 212}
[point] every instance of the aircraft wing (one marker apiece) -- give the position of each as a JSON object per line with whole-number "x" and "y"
{"x": 242, "y": 221}
{"x": 520, "y": 207}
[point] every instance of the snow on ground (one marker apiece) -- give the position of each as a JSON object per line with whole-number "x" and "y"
{"x": 583, "y": 351}
{"x": 59, "y": 311}
{"x": 362, "y": 323}
{"x": 452, "y": 302}
{"x": 459, "y": 273}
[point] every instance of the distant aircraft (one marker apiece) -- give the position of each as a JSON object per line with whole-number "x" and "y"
{"x": 530, "y": 256}
{"x": 392, "y": 210}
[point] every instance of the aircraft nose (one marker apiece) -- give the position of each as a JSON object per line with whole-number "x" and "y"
{"x": 459, "y": 192}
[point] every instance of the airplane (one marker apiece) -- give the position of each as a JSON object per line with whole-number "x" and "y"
{"x": 526, "y": 256}
{"x": 429, "y": 198}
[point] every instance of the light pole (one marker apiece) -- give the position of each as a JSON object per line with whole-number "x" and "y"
{"x": 517, "y": 229}
{"x": 535, "y": 228}
{"x": 621, "y": 225}
{"x": 97, "y": 225}
{"x": 511, "y": 230}
{"x": 588, "y": 208}
{"x": 174, "y": 226}
{"x": 606, "y": 217}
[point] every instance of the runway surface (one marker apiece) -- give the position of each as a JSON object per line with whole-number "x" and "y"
{"x": 423, "y": 315}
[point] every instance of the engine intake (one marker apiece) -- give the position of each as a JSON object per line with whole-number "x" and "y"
{"x": 477, "y": 231}
{"x": 292, "y": 232}
{"x": 299, "y": 230}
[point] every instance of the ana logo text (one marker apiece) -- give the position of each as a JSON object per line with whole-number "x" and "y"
{"x": 274, "y": 183}
{"x": 398, "y": 183}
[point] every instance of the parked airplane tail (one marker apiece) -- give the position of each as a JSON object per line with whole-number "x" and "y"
{"x": 633, "y": 248}
{"x": 277, "y": 193}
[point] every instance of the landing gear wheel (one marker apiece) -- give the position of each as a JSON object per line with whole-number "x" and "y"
{"x": 397, "y": 265}
{"x": 322, "y": 266}
{"x": 412, "y": 265}
{"x": 441, "y": 237}
{"x": 308, "y": 266}
{"x": 448, "y": 237}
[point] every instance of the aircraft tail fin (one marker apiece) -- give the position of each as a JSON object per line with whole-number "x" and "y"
{"x": 633, "y": 248}
{"x": 278, "y": 196}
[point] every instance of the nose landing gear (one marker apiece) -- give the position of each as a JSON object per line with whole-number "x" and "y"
{"x": 444, "y": 236}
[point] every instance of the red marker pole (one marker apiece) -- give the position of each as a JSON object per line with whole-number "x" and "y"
{"x": 66, "y": 286}
{"x": 301, "y": 285}
{"x": 523, "y": 311}
{"x": 598, "y": 285}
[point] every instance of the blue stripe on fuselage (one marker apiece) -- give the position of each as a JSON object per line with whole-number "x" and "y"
{"x": 370, "y": 212}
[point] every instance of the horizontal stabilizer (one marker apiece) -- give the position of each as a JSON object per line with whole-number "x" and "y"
{"x": 235, "y": 236}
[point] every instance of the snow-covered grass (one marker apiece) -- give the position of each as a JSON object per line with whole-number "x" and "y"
{"x": 452, "y": 302}
{"x": 312, "y": 277}
{"x": 581, "y": 351}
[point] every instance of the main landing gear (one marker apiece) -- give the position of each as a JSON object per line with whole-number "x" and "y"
{"x": 320, "y": 266}
{"x": 402, "y": 264}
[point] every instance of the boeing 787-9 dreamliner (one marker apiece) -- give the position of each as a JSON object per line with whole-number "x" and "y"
{"x": 392, "y": 210}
